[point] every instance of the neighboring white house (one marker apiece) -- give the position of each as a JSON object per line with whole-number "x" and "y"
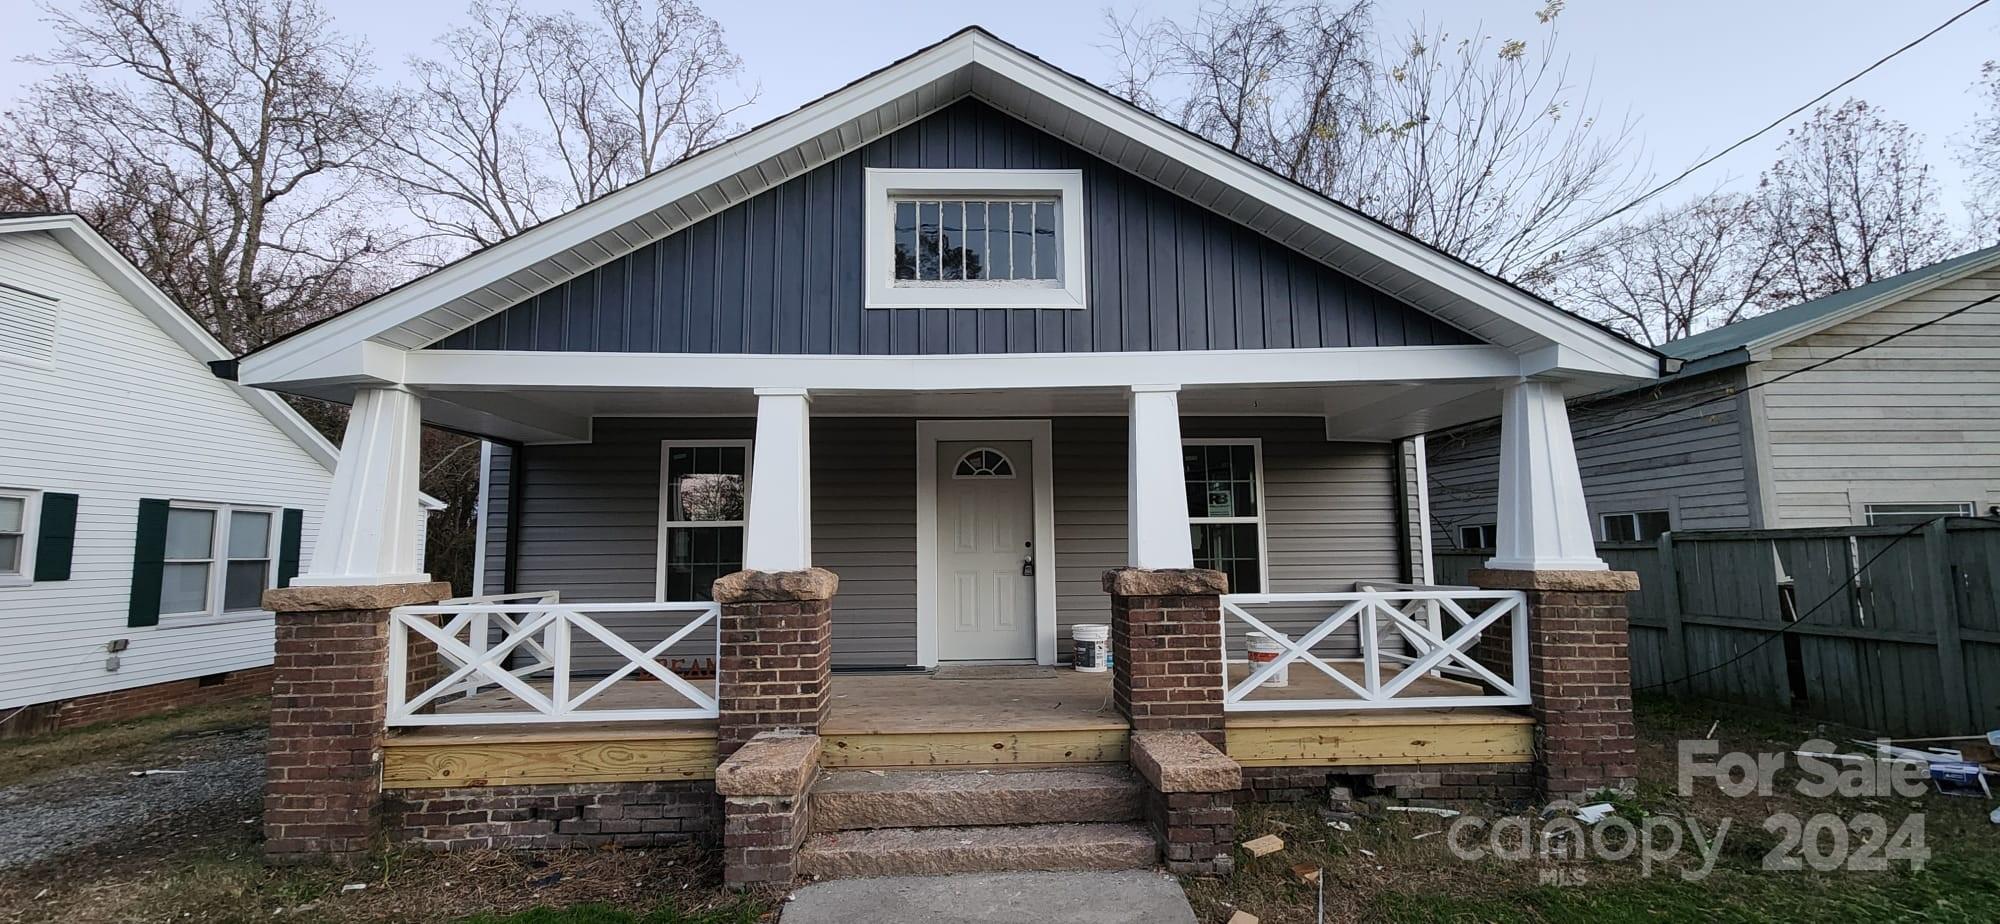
{"x": 145, "y": 504}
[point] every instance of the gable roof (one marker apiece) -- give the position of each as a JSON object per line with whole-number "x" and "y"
{"x": 971, "y": 62}
{"x": 96, "y": 253}
{"x": 1761, "y": 333}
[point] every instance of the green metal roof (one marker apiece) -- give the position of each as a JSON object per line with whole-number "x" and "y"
{"x": 1750, "y": 330}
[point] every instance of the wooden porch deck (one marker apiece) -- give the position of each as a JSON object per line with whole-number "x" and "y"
{"x": 1055, "y": 716}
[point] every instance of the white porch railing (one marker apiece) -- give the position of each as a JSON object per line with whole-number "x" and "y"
{"x": 1417, "y": 632}
{"x": 474, "y": 638}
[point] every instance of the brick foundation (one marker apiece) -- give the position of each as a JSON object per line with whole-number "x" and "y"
{"x": 580, "y": 815}
{"x": 1495, "y": 783}
{"x": 329, "y": 696}
{"x": 766, "y": 791}
{"x": 1197, "y": 830}
{"x": 777, "y": 653}
{"x": 137, "y": 702}
{"x": 1166, "y": 646}
{"x": 1580, "y": 677}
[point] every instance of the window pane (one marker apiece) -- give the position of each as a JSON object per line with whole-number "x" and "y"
{"x": 1618, "y": 528}
{"x": 975, "y": 240}
{"x": 1230, "y": 548}
{"x": 190, "y": 533}
{"x": 999, "y": 253}
{"x": 249, "y": 535}
{"x": 951, "y": 240}
{"x": 1046, "y": 261}
{"x": 1024, "y": 239}
{"x": 10, "y": 554}
{"x": 927, "y": 240}
{"x": 1653, "y": 523}
{"x": 705, "y": 483}
{"x": 1222, "y": 480}
{"x": 697, "y": 555}
{"x": 243, "y": 585}
{"x": 184, "y": 588}
{"x": 906, "y": 240}
{"x": 11, "y": 511}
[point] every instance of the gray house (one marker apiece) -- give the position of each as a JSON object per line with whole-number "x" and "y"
{"x": 1754, "y": 432}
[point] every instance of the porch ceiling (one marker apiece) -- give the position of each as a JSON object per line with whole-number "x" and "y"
{"x": 1365, "y": 412}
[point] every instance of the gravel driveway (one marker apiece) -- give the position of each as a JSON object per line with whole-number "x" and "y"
{"x": 218, "y": 785}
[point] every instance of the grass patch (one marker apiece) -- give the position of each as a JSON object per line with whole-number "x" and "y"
{"x": 23, "y": 759}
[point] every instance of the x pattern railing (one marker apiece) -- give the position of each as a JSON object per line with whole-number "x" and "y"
{"x": 515, "y": 641}
{"x": 1405, "y": 628}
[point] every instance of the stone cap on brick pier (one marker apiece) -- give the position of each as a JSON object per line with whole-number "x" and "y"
{"x": 317, "y": 599}
{"x": 1164, "y": 582}
{"x": 775, "y": 586}
{"x": 1184, "y": 762}
{"x": 1558, "y": 581}
{"x": 775, "y": 763}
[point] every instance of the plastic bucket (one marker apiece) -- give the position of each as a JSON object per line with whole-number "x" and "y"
{"x": 1093, "y": 647}
{"x": 1264, "y": 649}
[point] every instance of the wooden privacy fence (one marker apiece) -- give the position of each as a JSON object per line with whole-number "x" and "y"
{"x": 1910, "y": 646}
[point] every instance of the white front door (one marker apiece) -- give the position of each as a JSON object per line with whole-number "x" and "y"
{"x": 986, "y": 532}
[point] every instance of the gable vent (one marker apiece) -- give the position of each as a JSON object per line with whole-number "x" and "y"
{"x": 27, "y": 325}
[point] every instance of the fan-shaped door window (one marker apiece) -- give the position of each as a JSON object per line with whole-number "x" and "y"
{"x": 983, "y": 463}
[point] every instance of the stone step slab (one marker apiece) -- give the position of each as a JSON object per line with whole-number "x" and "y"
{"x": 858, "y": 799}
{"x": 937, "y": 851}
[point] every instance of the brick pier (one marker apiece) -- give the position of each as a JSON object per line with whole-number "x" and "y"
{"x": 777, "y": 653}
{"x": 1166, "y": 646}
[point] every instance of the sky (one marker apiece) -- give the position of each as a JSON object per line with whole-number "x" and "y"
{"x": 1694, "y": 75}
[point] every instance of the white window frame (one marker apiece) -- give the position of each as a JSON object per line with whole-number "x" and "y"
{"x": 218, "y": 562}
{"x": 667, "y": 448}
{"x": 1256, "y": 445}
{"x": 1604, "y": 532}
{"x": 31, "y": 530}
{"x": 884, "y": 185}
{"x": 1964, "y": 508}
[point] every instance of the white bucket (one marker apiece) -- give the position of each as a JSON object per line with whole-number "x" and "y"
{"x": 1092, "y": 653}
{"x": 1264, "y": 649}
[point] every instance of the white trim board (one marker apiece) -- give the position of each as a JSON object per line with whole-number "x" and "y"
{"x": 1038, "y": 434}
{"x": 884, "y": 185}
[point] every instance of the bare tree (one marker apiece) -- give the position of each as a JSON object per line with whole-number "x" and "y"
{"x": 1850, "y": 200}
{"x": 1487, "y": 150}
{"x": 1675, "y": 272}
{"x": 521, "y": 116}
{"x": 1979, "y": 153}
{"x": 217, "y": 145}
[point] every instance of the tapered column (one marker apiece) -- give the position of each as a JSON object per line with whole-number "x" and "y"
{"x": 779, "y": 533}
{"x": 1156, "y": 508}
{"x": 369, "y": 532}
{"x": 1543, "y": 523}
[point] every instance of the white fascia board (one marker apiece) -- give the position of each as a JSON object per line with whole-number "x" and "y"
{"x": 362, "y": 363}
{"x": 473, "y": 369}
{"x": 583, "y": 224}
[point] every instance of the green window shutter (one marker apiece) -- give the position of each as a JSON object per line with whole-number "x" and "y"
{"x": 288, "y": 546}
{"x": 55, "y": 540}
{"x": 148, "y": 563}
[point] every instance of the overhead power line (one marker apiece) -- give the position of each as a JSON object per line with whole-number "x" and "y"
{"x": 1684, "y": 174}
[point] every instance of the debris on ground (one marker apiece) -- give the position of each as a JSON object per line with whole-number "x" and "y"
{"x": 1242, "y": 917}
{"x": 1426, "y": 810}
{"x": 1338, "y": 825}
{"x": 354, "y": 887}
{"x": 1264, "y": 846}
{"x": 1594, "y": 812}
{"x": 1307, "y": 873}
{"x": 153, "y": 772}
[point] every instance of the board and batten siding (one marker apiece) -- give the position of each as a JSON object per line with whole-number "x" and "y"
{"x": 1916, "y": 419}
{"x": 124, "y": 413}
{"x": 589, "y": 515}
{"x": 782, "y": 274}
{"x": 1692, "y": 461}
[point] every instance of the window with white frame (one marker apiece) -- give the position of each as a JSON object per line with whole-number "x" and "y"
{"x": 1633, "y": 526}
{"x": 704, "y": 496}
{"x": 1477, "y": 536}
{"x": 219, "y": 559}
{"x": 1905, "y": 514}
{"x": 974, "y": 238}
{"x": 1225, "y": 498}
{"x": 17, "y": 536}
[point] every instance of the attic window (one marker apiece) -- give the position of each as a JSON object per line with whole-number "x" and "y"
{"x": 27, "y": 326}
{"x": 975, "y": 238}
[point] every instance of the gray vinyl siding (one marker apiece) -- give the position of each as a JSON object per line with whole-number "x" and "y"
{"x": 499, "y": 478}
{"x": 1692, "y": 461}
{"x": 1916, "y": 419}
{"x": 781, "y": 274}
{"x": 589, "y": 515}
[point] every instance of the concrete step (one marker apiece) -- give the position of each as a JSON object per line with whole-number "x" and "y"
{"x": 853, "y": 799}
{"x": 1002, "y": 848}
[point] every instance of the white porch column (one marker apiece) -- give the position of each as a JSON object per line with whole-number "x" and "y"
{"x": 369, "y": 532}
{"x": 778, "y": 535}
{"x": 1156, "y": 520}
{"x": 1543, "y": 523}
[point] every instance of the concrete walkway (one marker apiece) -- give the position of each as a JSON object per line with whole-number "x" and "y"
{"x": 1124, "y": 897}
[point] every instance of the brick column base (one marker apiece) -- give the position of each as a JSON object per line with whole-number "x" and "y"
{"x": 329, "y": 696}
{"x": 1580, "y": 676}
{"x": 1190, "y": 800}
{"x": 1166, "y": 648}
{"x": 766, "y": 789}
{"x": 777, "y": 653}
